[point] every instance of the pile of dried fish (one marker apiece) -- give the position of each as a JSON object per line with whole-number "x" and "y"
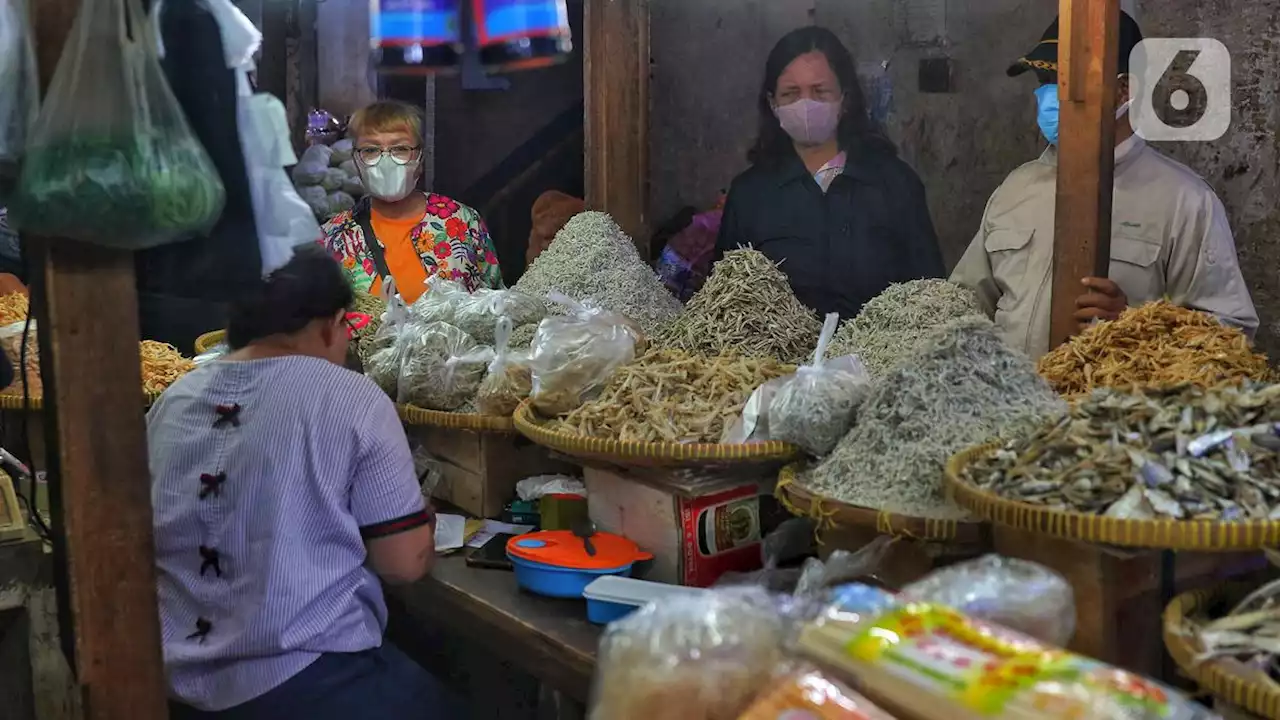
{"x": 894, "y": 322}
{"x": 1178, "y": 453}
{"x": 745, "y": 308}
{"x": 1156, "y": 345}
{"x": 591, "y": 257}
{"x": 963, "y": 387}
{"x": 671, "y": 396}
{"x": 1250, "y": 632}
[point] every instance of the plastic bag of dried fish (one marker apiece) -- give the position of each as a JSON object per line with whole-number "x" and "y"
{"x": 440, "y": 302}
{"x": 477, "y": 313}
{"x": 816, "y": 406}
{"x": 509, "y": 379}
{"x": 382, "y": 355}
{"x": 574, "y": 355}
{"x": 442, "y": 367}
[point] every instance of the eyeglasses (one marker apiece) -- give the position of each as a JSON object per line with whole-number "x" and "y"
{"x": 400, "y": 154}
{"x": 355, "y": 322}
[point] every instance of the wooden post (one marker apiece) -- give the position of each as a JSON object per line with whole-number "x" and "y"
{"x": 1087, "y": 67}
{"x": 616, "y": 89}
{"x": 87, "y": 313}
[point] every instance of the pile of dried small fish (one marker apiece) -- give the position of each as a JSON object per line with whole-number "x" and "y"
{"x": 962, "y": 387}
{"x": 671, "y": 396}
{"x": 591, "y": 257}
{"x": 894, "y": 322}
{"x": 1156, "y": 345}
{"x": 1178, "y": 453}
{"x": 745, "y": 308}
{"x": 1250, "y": 632}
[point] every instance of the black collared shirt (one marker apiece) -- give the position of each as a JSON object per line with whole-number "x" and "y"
{"x": 842, "y": 248}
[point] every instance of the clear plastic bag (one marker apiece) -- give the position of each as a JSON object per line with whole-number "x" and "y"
{"x": 381, "y": 353}
{"x": 696, "y": 657}
{"x": 440, "y": 301}
{"x": 476, "y": 313}
{"x": 19, "y": 90}
{"x": 574, "y": 355}
{"x": 1016, "y": 594}
{"x": 441, "y": 366}
{"x": 815, "y": 407}
{"x": 509, "y": 379}
{"x": 112, "y": 160}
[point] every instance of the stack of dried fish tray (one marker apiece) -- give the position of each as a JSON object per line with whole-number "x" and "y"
{"x": 1184, "y": 468}
{"x": 1228, "y": 640}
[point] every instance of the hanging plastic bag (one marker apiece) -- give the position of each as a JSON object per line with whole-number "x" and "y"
{"x": 574, "y": 355}
{"x": 441, "y": 367}
{"x": 509, "y": 380}
{"x": 476, "y": 313}
{"x": 815, "y": 407}
{"x": 112, "y": 160}
{"x": 380, "y": 353}
{"x": 440, "y": 301}
{"x": 19, "y": 90}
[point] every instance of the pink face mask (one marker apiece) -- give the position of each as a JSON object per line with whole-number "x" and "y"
{"x": 809, "y": 122}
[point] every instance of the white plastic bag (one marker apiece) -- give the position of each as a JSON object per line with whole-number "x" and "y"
{"x": 380, "y": 353}
{"x": 815, "y": 407}
{"x": 508, "y": 381}
{"x": 574, "y": 355}
{"x": 19, "y": 89}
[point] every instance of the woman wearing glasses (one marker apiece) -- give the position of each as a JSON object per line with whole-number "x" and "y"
{"x": 398, "y": 232}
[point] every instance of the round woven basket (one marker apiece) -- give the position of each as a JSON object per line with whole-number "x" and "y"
{"x": 1226, "y": 678}
{"x": 14, "y": 402}
{"x": 662, "y": 454}
{"x": 419, "y": 417}
{"x": 833, "y": 513}
{"x": 205, "y": 342}
{"x": 1199, "y": 535}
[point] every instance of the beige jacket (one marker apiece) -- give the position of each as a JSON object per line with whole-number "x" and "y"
{"x": 1169, "y": 238}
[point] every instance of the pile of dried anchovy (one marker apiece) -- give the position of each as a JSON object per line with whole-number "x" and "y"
{"x": 591, "y": 257}
{"x": 745, "y": 308}
{"x": 1156, "y": 345}
{"x": 893, "y": 323}
{"x": 1250, "y": 632}
{"x": 1181, "y": 453}
{"x": 962, "y": 387}
{"x": 671, "y": 396}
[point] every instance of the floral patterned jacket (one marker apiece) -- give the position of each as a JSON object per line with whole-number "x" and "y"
{"x": 452, "y": 241}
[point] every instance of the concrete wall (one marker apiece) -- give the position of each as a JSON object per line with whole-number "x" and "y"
{"x": 709, "y": 57}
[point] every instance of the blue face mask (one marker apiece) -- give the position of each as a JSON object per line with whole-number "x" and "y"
{"x": 1047, "y": 112}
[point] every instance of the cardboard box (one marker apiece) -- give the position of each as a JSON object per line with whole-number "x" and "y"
{"x": 13, "y": 524}
{"x": 696, "y": 532}
{"x": 481, "y": 469}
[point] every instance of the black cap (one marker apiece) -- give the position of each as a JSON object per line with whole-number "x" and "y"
{"x": 1043, "y": 58}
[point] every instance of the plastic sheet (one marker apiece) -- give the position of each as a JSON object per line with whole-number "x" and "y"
{"x": 702, "y": 657}
{"x": 441, "y": 366}
{"x": 1016, "y": 594}
{"x": 815, "y": 407}
{"x": 509, "y": 380}
{"x": 19, "y": 89}
{"x": 574, "y": 355}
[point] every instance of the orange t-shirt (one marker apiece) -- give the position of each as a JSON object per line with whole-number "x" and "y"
{"x": 402, "y": 257}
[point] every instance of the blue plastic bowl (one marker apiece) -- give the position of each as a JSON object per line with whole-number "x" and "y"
{"x": 558, "y": 582}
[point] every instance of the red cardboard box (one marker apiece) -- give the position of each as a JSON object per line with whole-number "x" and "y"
{"x": 696, "y": 531}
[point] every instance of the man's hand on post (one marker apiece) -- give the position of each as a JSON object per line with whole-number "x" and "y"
{"x": 1102, "y": 300}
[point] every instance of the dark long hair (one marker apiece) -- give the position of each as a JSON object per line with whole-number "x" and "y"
{"x": 308, "y": 287}
{"x": 857, "y": 132}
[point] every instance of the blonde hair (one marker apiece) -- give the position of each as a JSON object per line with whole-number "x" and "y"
{"x": 386, "y": 116}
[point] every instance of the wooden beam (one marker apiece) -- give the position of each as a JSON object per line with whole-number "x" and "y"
{"x": 87, "y": 312}
{"x": 616, "y": 89}
{"x": 1087, "y": 62}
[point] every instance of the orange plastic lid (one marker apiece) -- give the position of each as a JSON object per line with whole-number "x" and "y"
{"x": 563, "y": 549}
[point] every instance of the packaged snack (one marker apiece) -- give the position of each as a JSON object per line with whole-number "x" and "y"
{"x": 813, "y": 696}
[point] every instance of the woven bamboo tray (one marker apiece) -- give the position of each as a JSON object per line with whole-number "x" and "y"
{"x": 205, "y": 342}
{"x": 13, "y": 401}
{"x": 420, "y": 417}
{"x": 832, "y": 513}
{"x": 662, "y": 454}
{"x": 1197, "y": 535}
{"x": 1226, "y": 678}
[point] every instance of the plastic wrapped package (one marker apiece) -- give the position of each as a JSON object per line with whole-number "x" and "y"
{"x": 313, "y": 165}
{"x": 441, "y": 367}
{"x": 338, "y": 202}
{"x": 1016, "y": 594}
{"x": 927, "y": 660}
{"x": 509, "y": 380}
{"x": 381, "y": 352}
{"x": 332, "y": 179}
{"x": 815, "y": 407}
{"x": 112, "y": 160}
{"x": 341, "y": 151}
{"x": 700, "y": 657}
{"x": 352, "y": 186}
{"x": 811, "y": 695}
{"x": 429, "y": 469}
{"x": 476, "y": 313}
{"x": 440, "y": 301}
{"x": 574, "y": 354}
{"x": 316, "y": 198}
{"x": 19, "y": 89}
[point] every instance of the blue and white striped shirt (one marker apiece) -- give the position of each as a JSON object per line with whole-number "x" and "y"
{"x": 267, "y": 476}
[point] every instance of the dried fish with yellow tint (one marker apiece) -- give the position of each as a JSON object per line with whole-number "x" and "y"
{"x": 1184, "y": 452}
{"x": 1156, "y": 345}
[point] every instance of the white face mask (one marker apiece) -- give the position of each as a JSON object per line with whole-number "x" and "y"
{"x": 387, "y": 180}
